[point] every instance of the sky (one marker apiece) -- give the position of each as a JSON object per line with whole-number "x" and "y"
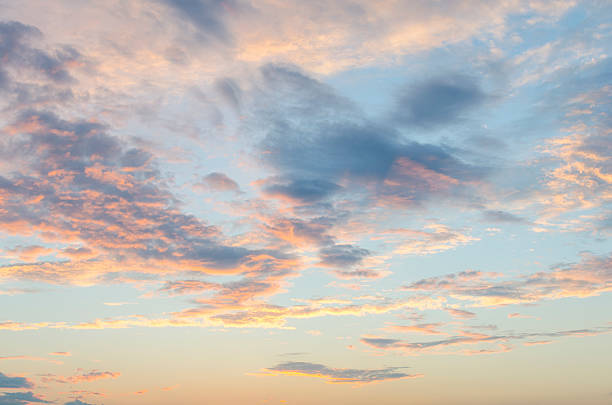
{"x": 305, "y": 202}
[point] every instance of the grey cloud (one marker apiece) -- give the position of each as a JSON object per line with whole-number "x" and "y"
{"x": 312, "y": 133}
{"x": 77, "y": 402}
{"x": 340, "y": 375}
{"x": 437, "y": 101}
{"x": 302, "y": 190}
{"x": 206, "y": 15}
{"x": 342, "y": 255}
{"x": 14, "y": 382}
{"x": 20, "y": 398}
{"x": 230, "y": 91}
{"x": 470, "y": 338}
{"x": 88, "y": 184}
{"x": 16, "y": 51}
{"x": 359, "y": 273}
{"x": 501, "y": 216}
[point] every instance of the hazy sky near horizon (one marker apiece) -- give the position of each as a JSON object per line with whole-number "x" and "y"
{"x": 305, "y": 202}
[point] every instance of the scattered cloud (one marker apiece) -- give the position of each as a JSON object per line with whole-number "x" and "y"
{"x": 590, "y": 277}
{"x": 471, "y": 338}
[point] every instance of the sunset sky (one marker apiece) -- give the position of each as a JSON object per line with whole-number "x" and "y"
{"x": 305, "y": 202}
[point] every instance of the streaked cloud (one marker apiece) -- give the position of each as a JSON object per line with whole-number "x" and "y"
{"x": 21, "y": 398}
{"x": 591, "y": 277}
{"x": 456, "y": 343}
{"x": 80, "y": 377}
{"x": 338, "y": 375}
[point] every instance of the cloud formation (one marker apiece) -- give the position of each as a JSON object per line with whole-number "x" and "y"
{"x": 591, "y": 277}
{"x": 14, "y": 382}
{"x": 21, "y": 398}
{"x": 471, "y": 338}
{"x": 338, "y": 375}
{"x": 89, "y": 376}
{"x": 437, "y": 101}
{"x": 220, "y": 182}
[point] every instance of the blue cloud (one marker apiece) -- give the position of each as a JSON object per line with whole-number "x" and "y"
{"x": 14, "y": 382}
{"x": 437, "y": 101}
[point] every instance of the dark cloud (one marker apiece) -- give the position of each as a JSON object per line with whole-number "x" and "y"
{"x": 437, "y": 101}
{"x": 340, "y": 375}
{"x": 467, "y": 337}
{"x": 15, "y": 51}
{"x": 29, "y": 75}
{"x": 360, "y": 273}
{"x": 230, "y": 92}
{"x": 20, "y": 398}
{"x": 77, "y": 402}
{"x": 14, "y": 382}
{"x": 12, "y": 36}
{"x": 502, "y": 216}
{"x": 302, "y": 190}
{"x": 311, "y": 133}
{"x": 206, "y": 15}
{"x": 342, "y": 255}
{"x": 78, "y": 182}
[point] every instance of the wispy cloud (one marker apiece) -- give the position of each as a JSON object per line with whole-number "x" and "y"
{"x": 338, "y": 375}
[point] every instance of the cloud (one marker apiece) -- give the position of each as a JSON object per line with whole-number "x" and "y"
{"x": 501, "y": 217}
{"x": 90, "y": 376}
{"x": 14, "y": 382}
{"x": 318, "y": 140}
{"x": 435, "y": 238}
{"x": 312, "y": 36}
{"x": 591, "y": 277}
{"x": 220, "y": 182}
{"x": 342, "y": 256}
{"x": 302, "y": 190}
{"x": 33, "y": 76}
{"x": 258, "y": 315}
{"x": 424, "y": 328}
{"x": 20, "y": 398}
{"x": 338, "y": 375}
{"x": 459, "y": 313}
{"x": 180, "y": 287}
{"x": 84, "y": 185}
{"x": 230, "y": 92}
{"x": 16, "y": 52}
{"x": 471, "y": 338}
{"x": 301, "y": 232}
{"x": 16, "y": 291}
{"x": 361, "y": 273}
{"x": 437, "y": 101}
{"x": 206, "y": 15}
{"x": 77, "y": 402}
{"x": 517, "y": 315}
{"x": 29, "y": 253}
